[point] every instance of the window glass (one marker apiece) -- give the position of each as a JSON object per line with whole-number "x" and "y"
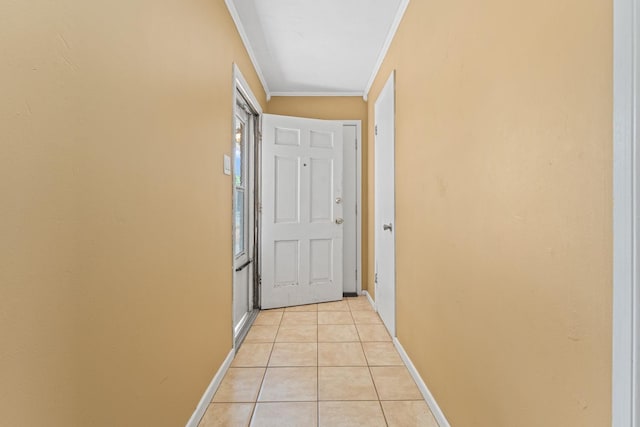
{"x": 238, "y": 155}
{"x": 238, "y": 212}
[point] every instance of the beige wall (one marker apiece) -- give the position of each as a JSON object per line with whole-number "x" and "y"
{"x": 115, "y": 281}
{"x": 503, "y": 186}
{"x": 333, "y": 108}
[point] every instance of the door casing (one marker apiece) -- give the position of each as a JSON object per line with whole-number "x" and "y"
{"x": 625, "y": 399}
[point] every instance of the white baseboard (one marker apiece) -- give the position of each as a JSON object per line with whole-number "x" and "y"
{"x": 428, "y": 397}
{"x": 211, "y": 390}
{"x": 373, "y": 304}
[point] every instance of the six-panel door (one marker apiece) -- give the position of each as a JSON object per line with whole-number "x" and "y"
{"x": 301, "y": 211}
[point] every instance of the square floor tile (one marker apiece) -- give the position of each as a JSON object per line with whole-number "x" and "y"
{"x": 240, "y": 385}
{"x": 252, "y": 355}
{"x": 366, "y": 317}
{"x": 266, "y": 318}
{"x": 345, "y": 383}
{"x": 308, "y": 307}
{"x": 373, "y": 333}
{"x": 350, "y": 414}
{"x": 408, "y": 413}
{"x": 337, "y": 333}
{"x": 301, "y": 318}
{"x": 334, "y": 306}
{"x": 359, "y": 304}
{"x": 259, "y": 333}
{"x": 298, "y": 333}
{"x": 227, "y": 414}
{"x": 395, "y": 383}
{"x": 294, "y": 354}
{"x": 335, "y": 318}
{"x": 285, "y": 414}
{"x": 341, "y": 354}
{"x": 381, "y": 354}
{"x": 289, "y": 385}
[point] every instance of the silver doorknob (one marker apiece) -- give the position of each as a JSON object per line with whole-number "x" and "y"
{"x": 386, "y": 227}
{"x": 339, "y": 220}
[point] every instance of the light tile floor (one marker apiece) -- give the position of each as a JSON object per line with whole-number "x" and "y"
{"x": 318, "y": 365}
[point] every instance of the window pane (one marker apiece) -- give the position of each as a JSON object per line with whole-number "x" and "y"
{"x": 238, "y": 155}
{"x": 238, "y": 219}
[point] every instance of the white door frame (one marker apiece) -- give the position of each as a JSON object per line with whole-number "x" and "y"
{"x": 240, "y": 85}
{"x": 626, "y": 208}
{"x": 358, "y": 125}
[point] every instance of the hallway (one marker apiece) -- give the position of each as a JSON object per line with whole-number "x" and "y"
{"x": 329, "y": 364}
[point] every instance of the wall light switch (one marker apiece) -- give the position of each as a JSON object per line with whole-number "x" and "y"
{"x": 227, "y": 164}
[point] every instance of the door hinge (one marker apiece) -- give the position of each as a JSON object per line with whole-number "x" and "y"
{"x": 356, "y": 274}
{"x": 356, "y": 143}
{"x": 376, "y": 130}
{"x": 259, "y": 137}
{"x": 259, "y": 207}
{"x": 375, "y": 279}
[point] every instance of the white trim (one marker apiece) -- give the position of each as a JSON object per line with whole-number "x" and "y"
{"x": 371, "y": 301}
{"x": 358, "y": 125}
{"x": 245, "y": 40}
{"x": 402, "y": 8}
{"x": 428, "y": 397}
{"x": 317, "y": 93}
{"x": 626, "y": 92}
{"x": 210, "y": 391}
{"x": 241, "y": 84}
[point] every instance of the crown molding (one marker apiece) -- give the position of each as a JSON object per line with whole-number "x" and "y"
{"x": 245, "y": 40}
{"x": 387, "y": 44}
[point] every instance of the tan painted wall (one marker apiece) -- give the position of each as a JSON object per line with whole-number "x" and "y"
{"x": 504, "y": 201}
{"x": 333, "y": 108}
{"x": 115, "y": 255}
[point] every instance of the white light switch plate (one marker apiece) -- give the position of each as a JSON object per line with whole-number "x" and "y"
{"x": 227, "y": 164}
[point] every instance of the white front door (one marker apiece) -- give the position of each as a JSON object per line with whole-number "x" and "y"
{"x": 301, "y": 211}
{"x": 385, "y": 206}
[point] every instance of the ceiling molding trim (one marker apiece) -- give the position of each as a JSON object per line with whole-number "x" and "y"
{"x": 316, "y": 94}
{"x": 245, "y": 40}
{"x": 387, "y": 44}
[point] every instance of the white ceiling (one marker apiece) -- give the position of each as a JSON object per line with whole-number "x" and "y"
{"x": 313, "y": 47}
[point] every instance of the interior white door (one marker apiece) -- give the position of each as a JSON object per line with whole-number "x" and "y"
{"x": 301, "y": 211}
{"x": 385, "y": 206}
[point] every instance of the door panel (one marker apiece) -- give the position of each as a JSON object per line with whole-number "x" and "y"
{"x": 321, "y": 175}
{"x": 385, "y": 252}
{"x": 302, "y": 241}
{"x": 287, "y": 189}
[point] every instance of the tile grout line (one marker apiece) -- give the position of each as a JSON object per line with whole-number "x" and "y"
{"x": 273, "y": 344}
{"x": 373, "y": 381}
